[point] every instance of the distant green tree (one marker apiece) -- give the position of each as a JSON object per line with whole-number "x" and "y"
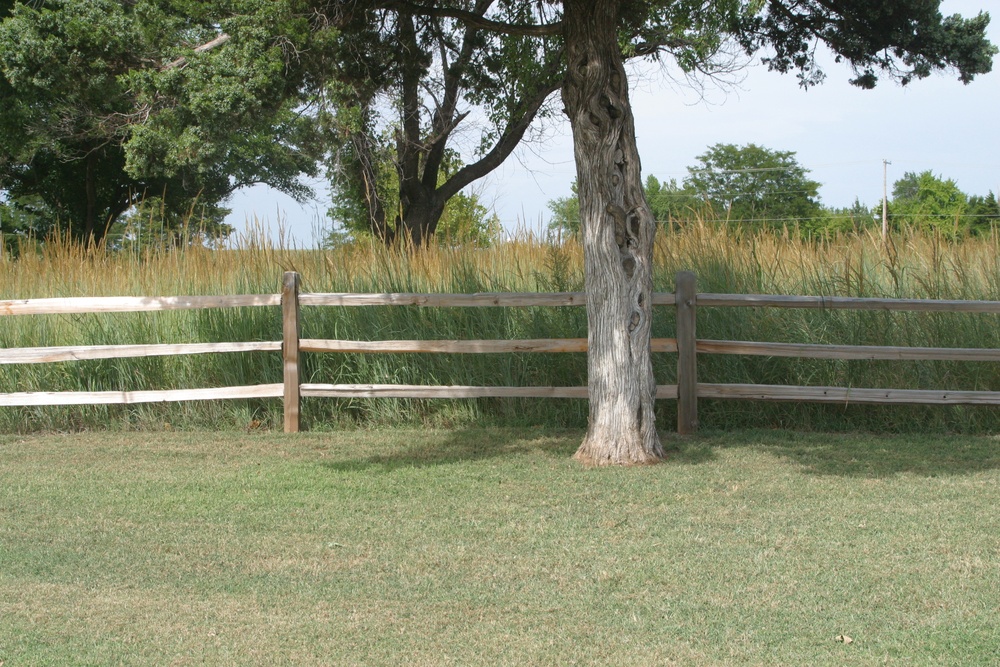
{"x": 983, "y": 213}
{"x": 24, "y": 217}
{"x": 925, "y": 201}
{"x": 565, "y": 220}
{"x": 467, "y": 221}
{"x": 755, "y": 186}
{"x": 154, "y": 223}
{"x": 668, "y": 201}
{"x": 671, "y": 202}
{"x": 15, "y": 224}
{"x": 854, "y": 218}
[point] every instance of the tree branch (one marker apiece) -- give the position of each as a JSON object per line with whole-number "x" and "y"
{"x": 207, "y": 46}
{"x": 472, "y": 19}
{"x": 444, "y": 120}
{"x": 504, "y": 146}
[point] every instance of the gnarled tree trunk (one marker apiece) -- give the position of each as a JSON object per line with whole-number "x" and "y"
{"x": 617, "y": 228}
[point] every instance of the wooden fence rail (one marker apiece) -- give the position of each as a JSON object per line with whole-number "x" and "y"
{"x": 688, "y": 347}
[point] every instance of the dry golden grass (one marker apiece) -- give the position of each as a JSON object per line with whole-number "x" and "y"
{"x": 726, "y": 260}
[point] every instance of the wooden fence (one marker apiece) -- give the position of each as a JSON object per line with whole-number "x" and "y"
{"x": 688, "y": 347}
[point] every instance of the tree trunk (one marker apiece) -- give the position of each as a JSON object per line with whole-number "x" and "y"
{"x": 368, "y": 180}
{"x": 617, "y": 228}
{"x": 90, "y": 217}
{"x": 420, "y": 216}
{"x": 420, "y": 209}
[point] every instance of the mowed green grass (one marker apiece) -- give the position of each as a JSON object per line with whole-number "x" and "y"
{"x": 493, "y": 547}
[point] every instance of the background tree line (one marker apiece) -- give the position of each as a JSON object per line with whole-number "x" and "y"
{"x": 759, "y": 188}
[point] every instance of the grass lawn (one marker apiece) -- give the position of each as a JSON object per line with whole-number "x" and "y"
{"x": 492, "y": 547}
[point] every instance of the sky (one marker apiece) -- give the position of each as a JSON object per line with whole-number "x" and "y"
{"x": 840, "y": 133}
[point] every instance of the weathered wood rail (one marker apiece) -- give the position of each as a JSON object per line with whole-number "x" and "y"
{"x": 686, "y": 345}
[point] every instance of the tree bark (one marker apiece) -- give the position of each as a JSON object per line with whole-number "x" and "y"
{"x": 368, "y": 181}
{"x": 90, "y": 187}
{"x": 419, "y": 209}
{"x": 618, "y": 229}
{"x": 420, "y": 216}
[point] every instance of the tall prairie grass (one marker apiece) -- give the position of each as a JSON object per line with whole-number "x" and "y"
{"x": 725, "y": 259}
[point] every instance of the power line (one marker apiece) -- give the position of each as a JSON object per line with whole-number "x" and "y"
{"x": 762, "y": 169}
{"x": 736, "y": 194}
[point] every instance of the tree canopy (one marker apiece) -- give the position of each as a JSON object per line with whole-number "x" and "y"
{"x": 930, "y": 202}
{"x": 984, "y": 212}
{"x": 754, "y": 185}
{"x": 409, "y": 87}
{"x": 106, "y": 104}
{"x": 747, "y": 185}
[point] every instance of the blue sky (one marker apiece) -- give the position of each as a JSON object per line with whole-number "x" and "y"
{"x": 838, "y": 132}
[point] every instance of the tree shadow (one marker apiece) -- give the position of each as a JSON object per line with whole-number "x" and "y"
{"x": 868, "y": 455}
{"x": 842, "y": 454}
{"x": 687, "y": 450}
{"x": 417, "y": 449}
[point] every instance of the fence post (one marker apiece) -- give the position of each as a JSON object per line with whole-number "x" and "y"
{"x": 290, "y": 348}
{"x": 687, "y": 362}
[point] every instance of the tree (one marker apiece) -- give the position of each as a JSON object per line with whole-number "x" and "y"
{"x": 152, "y": 223}
{"x": 755, "y": 186}
{"x": 905, "y": 40}
{"x": 59, "y": 85}
{"x": 463, "y": 218}
{"x": 466, "y": 221}
{"x": 671, "y": 202}
{"x": 15, "y": 224}
{"x": 107, "y": 104}
{"x": 853, "y": 218}
{"x": 983, "y": 213}
{"x": 929, "y": 202}
{"x": 406, "y": 81}
{"x": 565, "y": 220}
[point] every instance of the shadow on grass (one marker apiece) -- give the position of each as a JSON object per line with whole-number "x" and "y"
{"x": 868, "y": 455}
{"x": 688, "y": 451}
{"x": 415, "y": 449}
{"x": 843, "y": 454}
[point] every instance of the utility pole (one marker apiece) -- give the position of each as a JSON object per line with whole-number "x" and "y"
{"x": 885, "y": 198}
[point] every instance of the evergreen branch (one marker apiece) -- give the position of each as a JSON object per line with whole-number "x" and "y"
{"x": 473, "y": 19}
{"x": 207, "y": 46}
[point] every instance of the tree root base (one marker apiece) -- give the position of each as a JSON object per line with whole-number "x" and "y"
{"x": 592, "y": 454}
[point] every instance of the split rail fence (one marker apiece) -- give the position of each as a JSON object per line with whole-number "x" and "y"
{"x": 686, "y": 345}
